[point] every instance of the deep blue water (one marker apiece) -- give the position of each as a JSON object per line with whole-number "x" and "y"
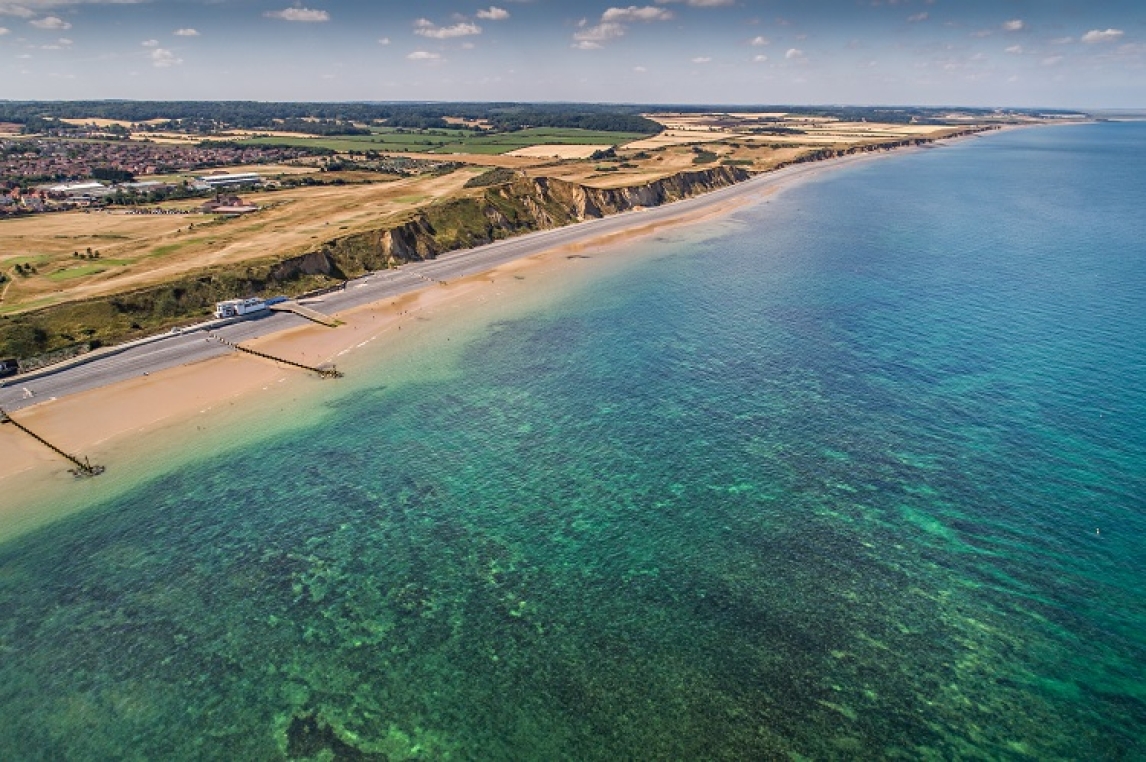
{"x": 859, "y": 474}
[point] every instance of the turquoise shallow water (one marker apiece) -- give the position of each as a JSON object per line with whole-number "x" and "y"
{"x": 858, "y": 474}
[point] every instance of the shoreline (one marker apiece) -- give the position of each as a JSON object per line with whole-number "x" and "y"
{"x": 119, "y": 416}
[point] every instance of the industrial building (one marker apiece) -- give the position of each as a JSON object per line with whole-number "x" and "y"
{"x": 223, "y": 181}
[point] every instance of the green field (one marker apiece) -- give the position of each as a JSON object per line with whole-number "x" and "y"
{"x": 456, "y": 141}
{"x": 169, "y": 248}
{"x": 69, "y": 273}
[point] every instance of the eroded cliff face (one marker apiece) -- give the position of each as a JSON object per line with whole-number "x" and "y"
{"x": 583, "y": 202}
{"x": 523, "y": 205}
{"x": 536, "y": 203}
{"x": 314, "y": 263}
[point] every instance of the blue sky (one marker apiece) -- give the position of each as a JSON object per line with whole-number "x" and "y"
{"x": 1055, "y": 53}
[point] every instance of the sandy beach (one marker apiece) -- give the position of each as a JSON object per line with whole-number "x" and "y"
{"x": 152, "y": 416}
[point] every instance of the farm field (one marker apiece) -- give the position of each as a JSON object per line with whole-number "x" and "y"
{"x": 776, "y": 129}
{"x": 453, "y": 141}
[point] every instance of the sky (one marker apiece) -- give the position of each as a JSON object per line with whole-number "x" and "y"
{"x": 1083, "y": 54}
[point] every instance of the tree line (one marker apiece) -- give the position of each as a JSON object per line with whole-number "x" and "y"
{"x": 326, "y": 118}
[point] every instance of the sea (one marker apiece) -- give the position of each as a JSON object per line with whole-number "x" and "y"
{"x": 857, "y": 471}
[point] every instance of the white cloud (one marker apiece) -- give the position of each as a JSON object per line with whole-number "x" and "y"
{"x": 612, "y": 25}
{"x": 760, "y": 58}
{"x": 299, "y": 14}
{"x": 640, "y": 69}
{"x": 186, "y": 32}
{"x": 702, "y": 60}
{"x": 16, "y": 10}
{"x": 916, "y": 18}
{"x": 599, "y": 33}
{"x": 493, "y": 14}
{"x": 1052, "y": 60}
{"x": 1103, "y": 35}
{"x": 794, "y": 54}
{"x": 423, "y": 55}
{"x": 759, "y": 41}
{"x": 633, "y": 13}
{"x": 1014, "y": 50}
{"x": 50, "y": 22}
{"x": 164, "y": 59}
{"x": 4, "y": 30}
{"x": 383, "y": 40}
{"x": 150, "y": 43}
{"x": 427, "y": 28}
{"x": 1014, "y": 25}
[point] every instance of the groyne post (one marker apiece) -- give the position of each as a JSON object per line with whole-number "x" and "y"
{"x": 330, "y": 372}
{"x": 82, "y": 467}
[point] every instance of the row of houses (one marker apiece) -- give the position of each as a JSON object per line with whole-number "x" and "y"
{"x": 23, "y": 158}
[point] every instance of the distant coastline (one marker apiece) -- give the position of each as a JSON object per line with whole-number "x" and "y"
{"x": 171, "y": 379}
{"x": 717, "y": 190}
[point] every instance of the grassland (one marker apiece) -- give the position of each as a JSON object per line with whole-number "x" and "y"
{"x": 140, "y": 249}
{"x": 457, "y": 141}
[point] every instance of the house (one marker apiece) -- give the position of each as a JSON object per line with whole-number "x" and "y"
{"x": 228, "y": 205}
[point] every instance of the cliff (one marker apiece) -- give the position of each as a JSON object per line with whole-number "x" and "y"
{"x": 523, "y": 205}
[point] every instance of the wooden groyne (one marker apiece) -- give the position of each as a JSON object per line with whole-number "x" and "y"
{"x": 330, "y": 372}
{"x": 82, "y": 467}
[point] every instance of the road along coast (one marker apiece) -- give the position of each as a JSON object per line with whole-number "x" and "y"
{"x": 111, "y": 408}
